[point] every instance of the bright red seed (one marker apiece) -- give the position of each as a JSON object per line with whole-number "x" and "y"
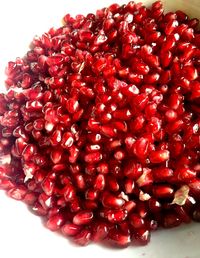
{"x": 70, "y": 229}
{"x": 83, "y": 217}
{"x": 159, "y": 156}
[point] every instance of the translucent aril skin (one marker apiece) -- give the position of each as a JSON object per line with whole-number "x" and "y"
{"x": 100, "y": 124}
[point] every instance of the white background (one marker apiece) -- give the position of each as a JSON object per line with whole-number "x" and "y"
{"x": 21, "y": 233}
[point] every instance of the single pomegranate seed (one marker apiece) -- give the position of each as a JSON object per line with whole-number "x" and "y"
{"x": 196, "y": 214}
{"x": 54, "y": 223}
{"x": 29, "y": 151}
{"x": 170, "y": 27}
{"x": 38, "y": 209}
{"x": 83, "y": 217}
{"x": 162, "y": 174}
{"x": 133, "y": 170}
{"x": 108, "y": 131}
{"x": 67, "y": 140}
{"x": 140, "y": 148}
{"x": 142, "y": 236}
{"x": 129, "y": 186}
{"x": 163, "y": 191}
{"x": 48, "y": 186}
{"x": 70, "y": 229}
{"x": 116, "y": 216}
{"x": 100, "y": 232}
{"x": 190, "y": 73}
{"x": 110, "y": 201}
{"x": 195, "y": 186}
{"x": 118, "y": 238}
{"x": 182, "y": 214}
{"x": 184, "y": 174}
{"x": 69, "y": 193}
{"x": 99, "y": 182}
{"x": 93, "y": 157}
{"x": 30, "y": 198}
{"x": 17, "y": 193}
{"x": 56, "y": 156}
{"x": 83, "y": 238}
{"x": 136, "y": 221}
{"x": 91, "y": 194}
{"x": 46, "y": 201}
{"x": 112, "y": 183}
{"x": 154, "y": 205}
{"x": 171, "y": 220}
{"x": 159, "y": 156}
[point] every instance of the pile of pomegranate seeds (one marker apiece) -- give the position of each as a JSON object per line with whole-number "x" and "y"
{"x": 100, "y": 124}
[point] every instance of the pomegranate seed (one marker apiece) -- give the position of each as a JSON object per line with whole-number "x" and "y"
{"x": 99, "y": 182}
{"x": 140, "y": 148}
{"x": 30, "y": 198}
{"x": 29, "y": 151}
{"x": 100, "y": 232}
{"x": 196, "y": 214}
{"x": 83, "y": 238}
{"x": 136, "y": 221}
{"x": 159, "y": 156}
{"x": 69, "y": 193}
{"x": 70, "y": 229}
{"x": 171, "y": 220}
{"x": 182, "y": 214}
{"x": 110, "y": 201}
{"x": 170, "y": 27}
{"x": 133, "y": 170}
{"x": 48, "y": 186}
{"x": 162, "y": 174}
{"x": 46, "y": 201}
{"x": 39, "y": 210}
{"x": 163, "y": 191}
{"x": 115, "y": 216}
{"x": 67, "y": 140}
{"x": 93, "y": 157}
{"x": 56, "y": 156}
{"x": 100, "y": 125}
{"x": 142, "y": 236}
{"x": 83, "y": 217}
{"x": 54, "y": 223}
{"x": 118, "y": 238}
{"x": 184, "y": 174}
{"x": 112, "y": 183}
{"x": 17, "y": 193}
{"x": 91, "y": 194}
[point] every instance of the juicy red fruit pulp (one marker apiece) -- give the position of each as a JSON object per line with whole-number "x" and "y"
{"x": 100, "y": 124}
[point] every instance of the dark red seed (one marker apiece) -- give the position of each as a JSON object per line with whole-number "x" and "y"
{"x": 171, "y": 220}
{"x": 118, "y": 238}
{"x": 136, "y": 221}
{"x": 142, "y": 236}
{"x": 196, "y": 214}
